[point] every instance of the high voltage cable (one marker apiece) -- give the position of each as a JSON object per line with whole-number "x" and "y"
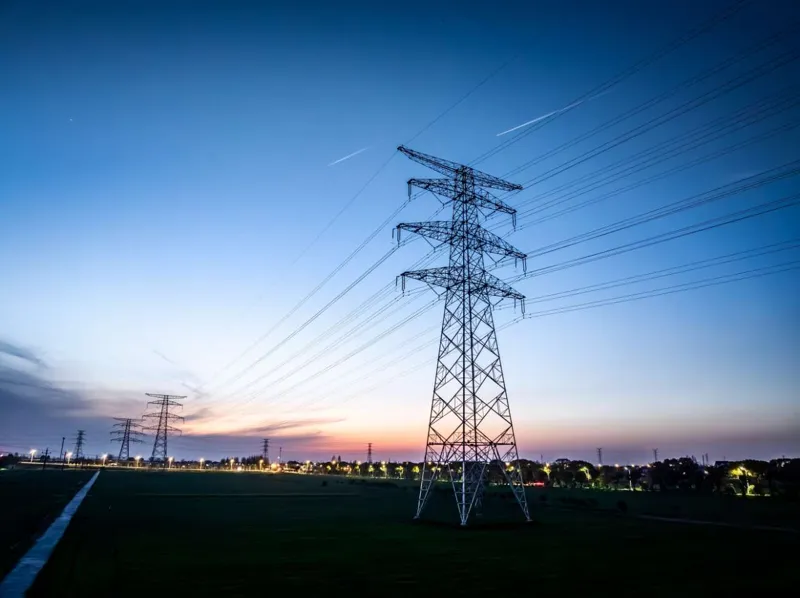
{"x": 665, "y": 150}
{"x": 750, "y": 182}
{"x": 251, "y": 366}
{"x": 638, "y": 66}
{"x": 628, "y": 72}
{"x": 369, "y": 238}
{"x": 671, "y": 271}
{"x": 681, "y": 287}
{"x": 687, "y": 286}
{"x": 676, "y": 169}
{"x": 314, "y": 291}
{"x": 704, "y": 27}
{"x": 712, "y": 223}
{"x": 319, "y": 312}
{"x": 727, "y": 87}
{"x": 686, "y": 83}
{"x": 778, "y": 173}
{"x": 353, "y": 353}
{"x": 678, "y": 288}
{"x": 354, "y": 315}
{"x": 316, "y": 315}
{"x": 355, "y": 332}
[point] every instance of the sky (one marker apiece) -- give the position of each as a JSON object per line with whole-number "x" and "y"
{"x": 178, "y": 179}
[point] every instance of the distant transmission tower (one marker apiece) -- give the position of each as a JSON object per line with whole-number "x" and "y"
{"x": 599, "y": 456}
{"x": 369, "y": 453}
{"x": 79, "y": 440}
{"x": 126, "y": 431}
{"x": 162, "y": 429}
{"x": 265, "y": 450}
{"x": 470, "y": 425}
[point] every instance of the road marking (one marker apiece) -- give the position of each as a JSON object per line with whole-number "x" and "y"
{"x": 22, "y": 576}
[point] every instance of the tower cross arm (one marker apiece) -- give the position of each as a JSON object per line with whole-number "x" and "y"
{"x": 441, "y": 231}
{"x": 492, "y": 243}
{"x": 448, "y": 276}
{"x": 449, "y": 168}
{"x": 448, "y": 188}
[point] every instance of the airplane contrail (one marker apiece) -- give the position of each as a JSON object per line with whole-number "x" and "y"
{"x": 347, "y": 157}
{"x": 549, "y": 114}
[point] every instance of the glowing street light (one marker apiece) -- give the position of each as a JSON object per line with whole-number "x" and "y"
{"x": 201, "y": 462}
{"x": 104, "y": 460}
{"x": 231, "y": 464}
{"x": 169, "y": 463}
{"x": 69, "y": 455}
{"x": 260, "y": 464}
{"x": 33, "y": 452}
{"x": 136, "y": 459}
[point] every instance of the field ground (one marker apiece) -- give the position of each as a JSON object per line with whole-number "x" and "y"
{"x": 30, "y": 499}
{"x": 159, "y": 533}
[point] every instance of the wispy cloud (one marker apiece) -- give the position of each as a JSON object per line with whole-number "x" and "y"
{"x": 553, "y": 113}
{"x": 20, "y": 353}
{"x": 347, "y": 157}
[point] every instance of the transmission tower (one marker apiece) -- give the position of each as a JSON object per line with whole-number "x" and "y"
{"x": 79, "y": 440}
{"x": 470, "y": 425}
{"x": 163, "y": 428}
{"x": 599, "y": 456}
{"x": 369, "y": 453}
{"x": 126, "y": 431}
{"x": 265, "y": 450}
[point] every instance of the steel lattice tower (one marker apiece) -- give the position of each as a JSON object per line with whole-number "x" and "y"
{"x": 79, "y": 440}
{"x": 470, "y": 425}
{"x": 163, "y": 427}
{"x": 265, "y": 451}
{"x": 126, "y": 431}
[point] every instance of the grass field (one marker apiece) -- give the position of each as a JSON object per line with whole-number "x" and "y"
{"x": 158, "y": 533}
{"x": 29, "y": 501}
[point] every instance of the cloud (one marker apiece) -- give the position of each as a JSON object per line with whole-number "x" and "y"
{"x": 20, "y": 353}
{"x": 348, "y": 156}
{"x": 549, "y": 114}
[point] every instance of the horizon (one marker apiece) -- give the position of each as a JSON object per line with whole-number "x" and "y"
{"x": 200, "y": 202}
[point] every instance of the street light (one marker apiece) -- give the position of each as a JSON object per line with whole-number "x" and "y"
{"x": 33, "y": 452}
{"x": 231, "y": 464}
{"x": 136, "y": 459}
{"x": 69, "y": 455}
{"x": 260, "y": 464}
{"x": 104, "y": 460}
{"x": 201, "y": 462}
{"x": 169, "y": 463}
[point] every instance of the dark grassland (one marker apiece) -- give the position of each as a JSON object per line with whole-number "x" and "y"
{"x": 183, "y": 533}
{"x": 30, "y": 499}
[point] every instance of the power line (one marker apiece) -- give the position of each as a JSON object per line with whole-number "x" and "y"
{"x": 665, "y": 50}
{"x": 390, "y": 218}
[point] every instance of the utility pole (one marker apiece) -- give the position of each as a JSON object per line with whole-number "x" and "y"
{"x": 265, "y": 451}
{"x": 127, "y": 431}
{"x": 280, "y": 454}
{"x": 599, "y": 456}
{"x": 163, "y": 428}
{"x": 79, "y": 440}
{"x": 470, "y": 427}
{"x": 369, "y": 453}
{"x": 655, "y": 455}
{"x": 61, "y": 452}
{"x": 45, "y": 457}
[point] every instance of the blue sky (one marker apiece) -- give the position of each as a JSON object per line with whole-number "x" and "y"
{"x": 164, "y": 165}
